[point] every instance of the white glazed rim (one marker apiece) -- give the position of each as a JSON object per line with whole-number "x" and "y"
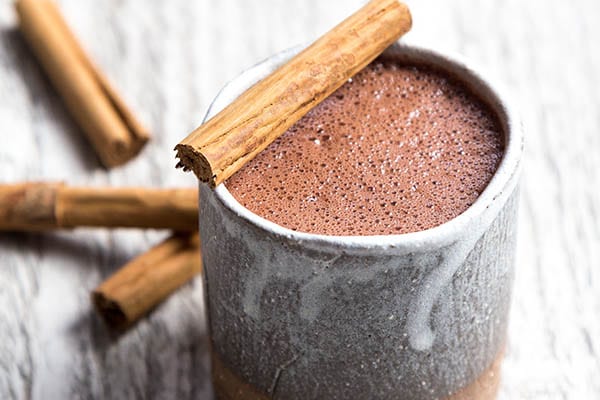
{"x": 503, "y": 181}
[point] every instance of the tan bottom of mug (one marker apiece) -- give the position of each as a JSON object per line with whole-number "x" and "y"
{"x": 228, "y": 386}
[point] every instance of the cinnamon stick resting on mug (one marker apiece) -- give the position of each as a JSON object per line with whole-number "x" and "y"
{"x": 220, "y": 147}
{"x": 36, "y": 206}
{"x": 144, "y": 282}
{"x": 110, "y": 126}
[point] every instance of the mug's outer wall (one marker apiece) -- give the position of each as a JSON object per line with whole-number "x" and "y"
{"x": 313, "y": 324}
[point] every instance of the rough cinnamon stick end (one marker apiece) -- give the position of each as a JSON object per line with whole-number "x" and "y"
{"x": 119, "y": 152}
{"x": 194, "y": 160}
{"x": 115, "y": 154}
{"x": 110, "y": 311}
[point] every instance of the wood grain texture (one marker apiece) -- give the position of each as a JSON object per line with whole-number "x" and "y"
{"x": 169, "y": 59}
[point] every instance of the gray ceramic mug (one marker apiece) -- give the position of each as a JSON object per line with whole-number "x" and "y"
{"x": 421, "y": 315}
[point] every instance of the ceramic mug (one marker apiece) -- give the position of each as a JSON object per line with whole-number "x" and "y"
{"x": 421, "y": 315}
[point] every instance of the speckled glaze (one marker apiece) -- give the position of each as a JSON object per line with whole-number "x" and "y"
{"x": 415, "y": 316}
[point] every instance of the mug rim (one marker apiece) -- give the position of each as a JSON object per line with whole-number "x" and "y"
{"x": 500, "y": 186}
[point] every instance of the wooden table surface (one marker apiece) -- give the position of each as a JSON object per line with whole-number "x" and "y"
{"x": 169, "y": 59}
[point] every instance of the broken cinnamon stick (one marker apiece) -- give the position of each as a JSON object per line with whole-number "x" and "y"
{"x": 220, "y": 147}
{"x": 147, "y": 280}
{"x": 110, "y": 126}
{"x": 36, "y": 206}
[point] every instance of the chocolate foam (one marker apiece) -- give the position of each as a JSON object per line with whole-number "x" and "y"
{"x": 396, "y": 149}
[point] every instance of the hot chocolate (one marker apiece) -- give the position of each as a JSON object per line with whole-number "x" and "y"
{"x": 397, "y": 149}
{"x": 408, "y": 144}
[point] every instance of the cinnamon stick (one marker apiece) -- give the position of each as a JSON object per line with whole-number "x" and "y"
{"x": 220, "y": 147}
{"x": 108, "y": 123}
{"x": 35, "y": 206}
{"x": 147, "y": 280}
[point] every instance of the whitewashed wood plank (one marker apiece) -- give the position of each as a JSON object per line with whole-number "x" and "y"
{"x": 169, "y": 59}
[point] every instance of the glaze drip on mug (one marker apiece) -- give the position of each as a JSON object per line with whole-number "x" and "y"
{"x": 397, "y": 149}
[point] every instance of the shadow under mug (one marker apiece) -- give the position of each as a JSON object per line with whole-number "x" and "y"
{"x": 422, "y": 315}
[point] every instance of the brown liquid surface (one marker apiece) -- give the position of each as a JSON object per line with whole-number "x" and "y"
{"x": 397, "y": 149}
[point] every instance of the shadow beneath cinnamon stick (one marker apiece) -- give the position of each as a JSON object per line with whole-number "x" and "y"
{"x": 66, "y": 246}
{"x": 169, "y": 349}
{"x": 166, "y": 351}
{"x": 46, "y": 103}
